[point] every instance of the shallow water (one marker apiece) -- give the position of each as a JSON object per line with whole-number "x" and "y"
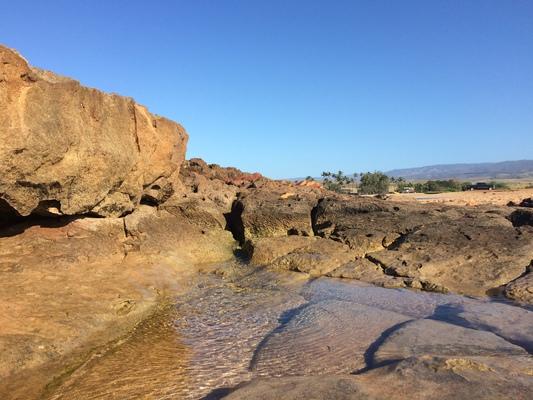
{"x": 229, "y": 329}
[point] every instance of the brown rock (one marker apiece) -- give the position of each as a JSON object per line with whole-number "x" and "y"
{"x": 521, "y": 289}
{"x": 68, "y": 149}
{"x": 301, "y": 388}
{"x": 330, "y": 335}
{"x": 471, "y": 251}
{"x": 364, "y": 270}
{"x": 267, "y": 212}
{"x": 71, "y": 284}
{"x": 521, "y": 217}
{"x": 312, "y": 255}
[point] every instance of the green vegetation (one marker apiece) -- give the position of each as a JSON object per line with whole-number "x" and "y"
{"x": 499, "y": 185}
{"x": 439, "y": 186}
{"x": 374, "y": 183}
{"x": 335, "y": 181}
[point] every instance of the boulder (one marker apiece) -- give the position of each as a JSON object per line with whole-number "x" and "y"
{"x": 66, "y": 149}
{"x": 270, "y": 212}
{"x": 521, "y": 217}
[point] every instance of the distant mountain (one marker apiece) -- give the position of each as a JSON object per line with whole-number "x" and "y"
{"x": 498, "y": 170}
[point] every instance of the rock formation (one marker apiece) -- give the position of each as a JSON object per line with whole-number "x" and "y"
{"x": 67, "y": 149}
{"x": 69, "y": 154}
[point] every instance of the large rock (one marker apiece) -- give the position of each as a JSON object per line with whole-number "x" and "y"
{"x": 272, "y": 211}
{"x": 68, "y": 149}
{"x": 312, "y": 255}
{"x": 469, "y": 255}
{"x": 472, "y": 251}
{"x": 522, "y": 216}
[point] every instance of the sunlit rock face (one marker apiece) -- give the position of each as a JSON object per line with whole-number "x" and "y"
{"x": 68, "y": 149}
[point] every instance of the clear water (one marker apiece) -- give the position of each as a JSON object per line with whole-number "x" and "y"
{"x": 247, "y": 323}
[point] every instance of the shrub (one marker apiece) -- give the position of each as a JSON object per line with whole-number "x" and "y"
{"x": 374, "y": 183}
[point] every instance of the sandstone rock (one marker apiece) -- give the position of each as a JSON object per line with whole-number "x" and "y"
{"x": 440, "y": 249}
{"x": 68, "y": 149}
{"x": 366, "y": 224}
{"x": 424, "y": 377}
{"x": 364, "y": 270}
{"x": 464, "y": 256}
{"x": 263, "y": 251}
{"x": 78, "y": 283}
{"x": 429, "y": 377}
{"x": 267, "y": 213}
{"x": 521, "y": 289}
{"x": 435, "y": 338}
{"x": 302, "y": 388}
{"x": 158, "y": 232}
{"x": 312, "y": 255}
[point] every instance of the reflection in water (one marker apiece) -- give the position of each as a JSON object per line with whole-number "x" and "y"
{"x": 228, "y": 329}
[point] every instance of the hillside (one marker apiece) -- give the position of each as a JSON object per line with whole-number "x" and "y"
{"x": 499, "y": 170}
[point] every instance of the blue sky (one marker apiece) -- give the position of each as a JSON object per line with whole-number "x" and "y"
{"x": 292, "y": 88}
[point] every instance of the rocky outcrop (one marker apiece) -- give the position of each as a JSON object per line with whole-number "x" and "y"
{"x": 521, "y": 217}
{"x": 471, "y": 251}
{"x": 274, "y": 210}
{"x": 69, "y": 285}
{"x": 312, "y": 255}
{"x": 66, "y": 149}
{"x": 521, "y": 289}
{"x": 69, "y": 281}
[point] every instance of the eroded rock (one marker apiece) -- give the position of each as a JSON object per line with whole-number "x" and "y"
{"x": 67, "y": 149}
{"x": 312, "y": 255}
{"x": 521, "y": 289}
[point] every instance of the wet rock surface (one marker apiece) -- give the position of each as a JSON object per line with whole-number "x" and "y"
{"x": 288, "y": 334}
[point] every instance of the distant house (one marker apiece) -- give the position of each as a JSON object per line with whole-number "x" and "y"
{"x": 480, "y": 186}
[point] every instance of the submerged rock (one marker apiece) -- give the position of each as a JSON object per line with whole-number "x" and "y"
{"x": 327, "y": 335}
{"x": 436, "y": 338}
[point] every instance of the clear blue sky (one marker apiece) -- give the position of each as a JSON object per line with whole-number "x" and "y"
{"x": 292, "y": 88}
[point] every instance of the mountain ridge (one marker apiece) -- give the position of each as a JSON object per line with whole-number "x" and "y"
{"x": 517, "y": 169}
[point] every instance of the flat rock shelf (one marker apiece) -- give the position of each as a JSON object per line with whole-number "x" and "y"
{"x": 237, "y": 324}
